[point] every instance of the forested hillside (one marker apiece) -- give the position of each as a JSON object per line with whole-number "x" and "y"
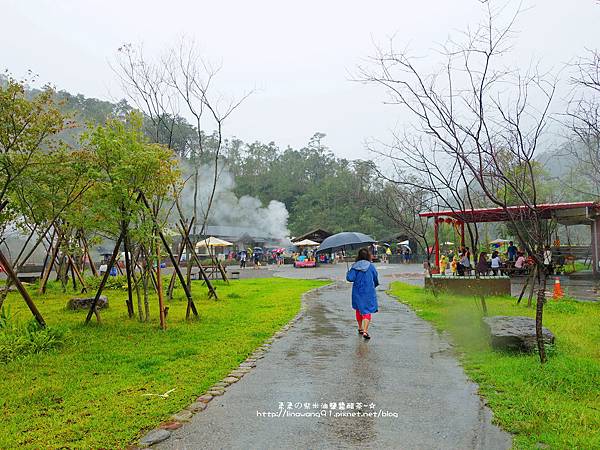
{"x": 318, "y": 188}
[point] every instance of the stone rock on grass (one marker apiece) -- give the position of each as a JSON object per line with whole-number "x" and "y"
{"x": 182, "y": 416}
{"x": 171, "y": 425}
{"x": 154, "y": 437}
{"x": 515, "y": 333}
{"x": 230, "y": 380}
{"x": 86, "y": 302}
{"x": 204, "y": 398}
{"x": 215, "y": 393}
{"x": 197, "y": 407}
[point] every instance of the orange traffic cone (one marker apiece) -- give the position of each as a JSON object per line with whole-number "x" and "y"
{"x": 558, "y": 293}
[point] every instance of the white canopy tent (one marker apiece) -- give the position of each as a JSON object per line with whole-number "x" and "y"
{"x": 306, "y": 243}
{"x": 213, "y": 242}
{"x": 500, "y": 241}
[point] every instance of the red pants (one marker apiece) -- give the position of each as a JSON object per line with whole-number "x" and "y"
{"x": 360, "y": 317}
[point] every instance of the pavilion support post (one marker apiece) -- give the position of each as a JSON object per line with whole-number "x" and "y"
{"x": 596, "y": 245}
{"x": 462, "y": 234}
{"x": 436, "y": 245}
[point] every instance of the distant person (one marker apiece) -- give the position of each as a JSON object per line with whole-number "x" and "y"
{"x": 482, "y": 265}
{"x": 256, "y": 258}
{"x": 520, "y": 263}
{"x": 406, "y": 255}
{"x": 454, "y": 266}
{"x": 443, "y": 264}
{"x": 243, "y": 257}
{"x": 512, "y": 251}
{"x": 548, "y": 260}
{"x": 465, "y": 262}
{"x": 496, "y": 263}
{"x": 427, "y": 268}
{"x": 364, "y": 277}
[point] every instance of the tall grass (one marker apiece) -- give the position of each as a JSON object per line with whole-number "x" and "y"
{"x": 21, "y": 340}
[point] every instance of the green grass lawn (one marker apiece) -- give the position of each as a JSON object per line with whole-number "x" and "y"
{"x": 558, "y": 404}
{"x": 89, "y": 393}
{"x": 577, "y": 266}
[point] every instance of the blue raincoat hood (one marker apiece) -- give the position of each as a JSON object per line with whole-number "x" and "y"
{"x": 362, "y": 265}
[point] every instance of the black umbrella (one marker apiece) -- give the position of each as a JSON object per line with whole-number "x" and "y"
{"x": 346, "y": 240}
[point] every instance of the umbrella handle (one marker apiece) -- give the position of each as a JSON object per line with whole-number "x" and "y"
{"x": 347, "y": 268}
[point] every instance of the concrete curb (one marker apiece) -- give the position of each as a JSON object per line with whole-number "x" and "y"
{"x": 163, "y": 431}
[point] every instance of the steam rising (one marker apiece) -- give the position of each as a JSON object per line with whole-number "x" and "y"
{"x": 228, "y": 210}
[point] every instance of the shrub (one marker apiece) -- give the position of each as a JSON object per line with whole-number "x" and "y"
{"x": 118, "y": 282}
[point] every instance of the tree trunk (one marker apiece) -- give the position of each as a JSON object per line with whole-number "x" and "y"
{"x": 136, "y": 283}
{"x": 49, "y": 251}
{"x": 146, "y": 303}
{"x": 89, "y": 256}
{"x": 188, "y": 293}
{"x": 161, "y": 305}
{"x": 188, "y": 274}
{"x": 539, "y": 313}
{"x": 536, "y": 273}
{"x": 130, "y": 310}
{"x": 71, "y": 265}
{"x": 48, "y": 268}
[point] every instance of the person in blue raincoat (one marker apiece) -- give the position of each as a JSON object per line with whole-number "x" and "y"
{"x": 364, "y": 277}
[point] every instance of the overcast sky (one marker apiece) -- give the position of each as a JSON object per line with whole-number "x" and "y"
{"x": 298, "y": 58}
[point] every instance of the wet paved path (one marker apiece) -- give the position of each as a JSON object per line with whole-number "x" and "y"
{"x": 406, "y": 368}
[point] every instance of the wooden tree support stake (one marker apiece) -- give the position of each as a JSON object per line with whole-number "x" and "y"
{"x": 104, "y": 280}
{"x": 13, "y": 276}
{"x": 188, "y": 294}
{"x": 211, "y": 290}
{"x": 50, "y": 264}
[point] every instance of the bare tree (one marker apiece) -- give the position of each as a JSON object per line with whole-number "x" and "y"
{"x": 192, "y": 77}
{"x": 421, "y": 163}
{"x": 402, "y": 202}
{"x": 486, "y": 117}
{"x": 583, "y": 122}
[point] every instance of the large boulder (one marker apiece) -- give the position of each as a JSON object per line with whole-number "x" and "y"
{"x": 515, "y": 333}
{"x": 86, "y": 302}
